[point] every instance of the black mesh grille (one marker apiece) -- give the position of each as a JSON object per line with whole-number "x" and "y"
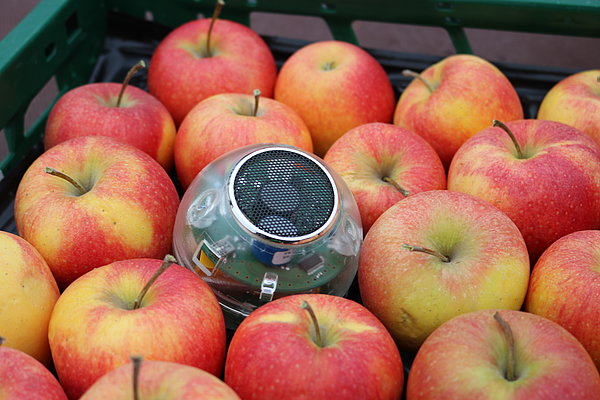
{"x": 284, "y": 193}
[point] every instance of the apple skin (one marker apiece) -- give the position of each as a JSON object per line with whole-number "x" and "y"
{"x": 565, "y": 288}
{"x": 160, "y": 380}
{"x": 469, "y": 93}
{"x": 93, "y": 328}
{"x": 273, "y": 353}
{"x": 554, "y": 192}
{"x": 575, "y": 101}
{"x": 466, "y": 358}
{"x": 24, "y": 377}
{"x": 363, "y": 156}
{"x": 354, "y": 92}
{"x": 29, "y": 293}
{"x": 129, "y": 211}
{"x": 224, "y": 122}
{"x": 413, "y": 293}
{"x": 180, "y": 76}
{"x": 141, "y": 120}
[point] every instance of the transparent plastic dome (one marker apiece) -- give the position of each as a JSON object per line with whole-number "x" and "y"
{"x": 267, "y": 221}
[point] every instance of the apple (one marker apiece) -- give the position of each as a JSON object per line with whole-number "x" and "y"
{"x": 454, "y": 99}
{"x": 382, "y": 164}
{"x": 335, "y": 86}
{"x": 313, "y": 346}
{"x": 575, "y": 101}
{"x": 100, "y": 201}
{"x": 225, "y": 122}
{"x": 134, "y": 307}
{"x": 544, "y": 175}
{"x": 565, "y": 287}
{"x": 125, "y": 113}
{"x": 29, "y": 293}
{"x": 158, "y": 380}
{"x": 206, "y": 57}
{"x": 502, "y": 354}
{"x": 24, "y": 377}
{"x": 436, "y": 255}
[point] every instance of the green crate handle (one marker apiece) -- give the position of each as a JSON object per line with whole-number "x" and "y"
{"x": 63, "y": 38}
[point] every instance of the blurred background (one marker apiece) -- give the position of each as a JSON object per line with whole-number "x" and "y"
{"x": 577, "y": 53}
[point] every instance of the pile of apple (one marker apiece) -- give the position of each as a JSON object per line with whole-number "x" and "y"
{"x": 480, "y": 261}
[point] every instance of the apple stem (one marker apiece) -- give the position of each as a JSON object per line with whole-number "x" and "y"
{"x": 137, "y": 363}
{"x": 508, "y": 334}
{"x": 413, "y": 74}
{"x": 256, "y": 97}
{"x": 313, "y": 317}
{"x": 140, "y": 64}
{"x": 426, "y": 250}
{"x": 511, "y": 135}
{"x": 216, "y": 12}
{"x": 72, "y": 181}
{"x": 167, "y": 261}
{"x": 395, "y": 184}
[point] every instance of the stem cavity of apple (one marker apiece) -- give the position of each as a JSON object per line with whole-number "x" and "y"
{"x": 497, "y": 123}
{"x": 396, "y": 185}
{"x": 140, "y": 64}
{"x": 137, "y": 363}
{"x": 313, "y": 317}
{"x": 62, "y": 175}
{"x": 329, "y": 66}
{"x": 167, "y": 261}
{"x": 413, "y": 74}
{"x": 2, "y": 340}
{"x": 216, "y": 12}
{"x": 426, "y": 250}
{"x": 256, "y": 97}
{"x": 511, "y": 373}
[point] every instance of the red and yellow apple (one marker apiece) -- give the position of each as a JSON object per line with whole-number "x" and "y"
{"x": 228, "y": 121}
{"x": 136, "y": 118}
{"x": 436, "y": 255}
{"x": 565, "y": 287}
{"x": 334, "y": 86}
{"x": 313, "y": 346}
{"x": 159, "y": 380}
{"x": 110, "y": 201}
{"x": 382, "y": 164}
{"x": 183, "y": 71}
{"x": 24, "y": 377}
{"x": 575, "y": 101}
{"x": 454, "y": 99}
{"x": 29, "y": 293}
{"x": 549, "y": 185}
{"x": 502, "y": 354}
{"x": 103, "y": 317}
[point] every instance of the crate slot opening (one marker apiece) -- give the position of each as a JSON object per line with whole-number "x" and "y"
{"x": 290, "y": 26}
{"x": 72, "y": 26}
{"x": 535, "y": 48}
{"x": 50, "y": 51}
{"x": 403, "y": 38}
{"x": 39, "y": 104}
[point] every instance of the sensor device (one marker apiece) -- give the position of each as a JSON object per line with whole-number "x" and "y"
{"x": 266, "y": 221}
